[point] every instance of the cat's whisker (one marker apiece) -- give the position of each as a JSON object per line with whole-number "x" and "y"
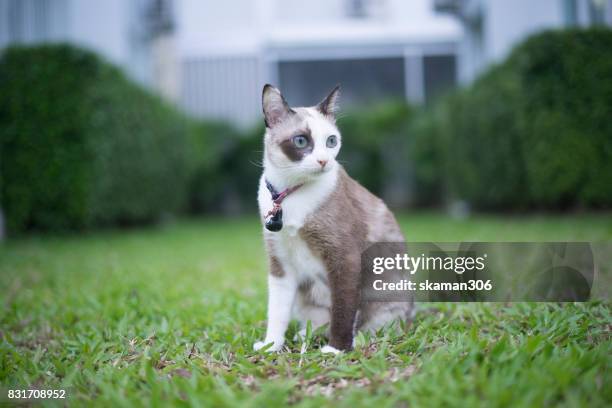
{"x": 288, "y": 166}
{"x": 342, "y": 115}
{"x": 256, "y": 163}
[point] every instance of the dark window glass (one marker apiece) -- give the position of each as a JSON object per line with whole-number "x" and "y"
{"x": 597, "y": 12}
{"x": 440, "y": 75}
{"x": 363, "y": 80}
{"x": 570, "y": 11}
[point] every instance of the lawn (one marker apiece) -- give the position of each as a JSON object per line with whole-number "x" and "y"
{"x": 168, "y": 316}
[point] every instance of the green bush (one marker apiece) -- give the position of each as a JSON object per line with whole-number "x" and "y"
{"x": 80, "y": 145}
{"x": 227, "y": 176}
{"x": 426, "y": 150}
{"x": 484, "y": 158}
{"x": 373, "y": 149}
{"x": 565, "y": 118}
{"x": 532, "y": 132}
{"x": 212, "y": 143}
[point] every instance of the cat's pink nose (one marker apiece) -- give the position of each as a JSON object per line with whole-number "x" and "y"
{"x": 322, "y": 163}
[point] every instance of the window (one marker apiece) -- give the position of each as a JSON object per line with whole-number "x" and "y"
{"x": 597, "y": 12}
{"x": 570, "y": 12}
{"x": 28, "y": 21}
{"x": 363, "y": 80}
{"x": 439, "y": 72}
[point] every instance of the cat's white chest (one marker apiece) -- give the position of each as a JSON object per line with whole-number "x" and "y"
{"x": 293, "y": 253}
{"x": 296, "y": 257}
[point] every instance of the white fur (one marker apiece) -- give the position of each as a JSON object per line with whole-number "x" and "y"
{"x": 330, "y": 350}
{"x": 283, "y": 173}
{"x": 281, "y": 294}
{"x": 297, "y": 260}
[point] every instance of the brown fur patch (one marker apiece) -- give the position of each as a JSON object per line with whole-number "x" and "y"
{"x": 338, "y": 233}
{"x": 293, "y": 152}
{"x": 305, "y": 288}
{"x": 276, "y": 269}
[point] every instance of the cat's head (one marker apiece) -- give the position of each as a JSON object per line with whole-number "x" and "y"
{"x": 300, "y": 143}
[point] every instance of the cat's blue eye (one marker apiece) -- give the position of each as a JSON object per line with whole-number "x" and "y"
{"x": 332, "y": 141}
{"x": 300, "y": 141}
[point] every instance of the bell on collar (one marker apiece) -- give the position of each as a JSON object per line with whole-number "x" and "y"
{"x": 275, "y": 223}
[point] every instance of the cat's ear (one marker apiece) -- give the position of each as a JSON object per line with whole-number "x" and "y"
{"x": 275, "y": 108}
{"x": 329, "y": 106}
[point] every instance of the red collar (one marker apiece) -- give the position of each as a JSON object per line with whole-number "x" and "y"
{"x": 275, "y": 222}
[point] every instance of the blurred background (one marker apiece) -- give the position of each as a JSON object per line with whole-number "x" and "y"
{"x": 122, "y": 113}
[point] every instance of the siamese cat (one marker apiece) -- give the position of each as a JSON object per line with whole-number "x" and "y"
{"x": 318, "y": 221}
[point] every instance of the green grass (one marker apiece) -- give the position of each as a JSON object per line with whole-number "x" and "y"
{"x": 168, "y": 316}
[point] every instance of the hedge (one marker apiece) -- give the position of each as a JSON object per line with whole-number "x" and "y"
{"x": 80, "y": 145}
{"x": 532, "y": 132}
{"x": 229, "y": 166}
{"x": 374, "y": 149}
{"x": 566, "y": 116}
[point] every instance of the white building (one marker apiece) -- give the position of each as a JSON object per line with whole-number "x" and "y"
{"x": 493, "y": 27}
{"x": 375, "y": 48}
{"x": 222, "y": 52}
{"x": 214, "y": 56}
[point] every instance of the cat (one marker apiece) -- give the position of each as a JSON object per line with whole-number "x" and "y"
{"x": 317, "y": 230}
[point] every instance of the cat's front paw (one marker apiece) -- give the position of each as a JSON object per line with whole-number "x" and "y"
{"x": 269, "y": 346}
{"x": 330, "y": 350}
